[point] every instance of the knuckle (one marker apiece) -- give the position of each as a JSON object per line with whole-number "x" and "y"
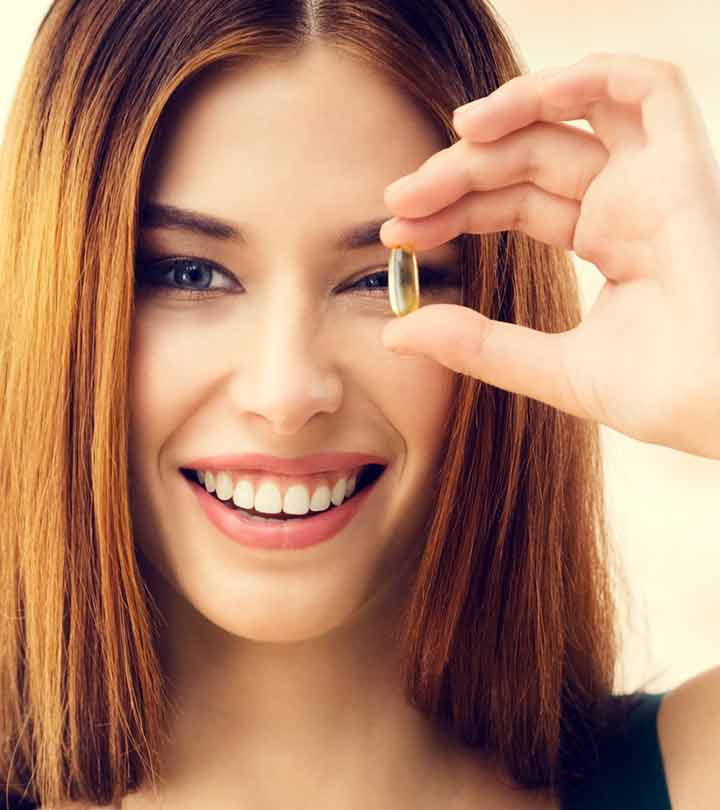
{"x": 581, "y": 182}
{"x": 531, "y": 160}
{"x": 468, "y": 163}
{"x": 468, "y": 173}
{"x": 521, "y": 210}
{"x": 672, "y": 73}
{"x": 436, "y": 159}
{"x": 465, "y": 219}
{"x": 548, "y": 73}
{"x": 598, "y": 57}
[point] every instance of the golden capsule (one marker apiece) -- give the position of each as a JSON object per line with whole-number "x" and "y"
{"x": 403, "y": 280}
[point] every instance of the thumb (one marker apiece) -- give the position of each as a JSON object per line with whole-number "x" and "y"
{"x": 512, "y": 357}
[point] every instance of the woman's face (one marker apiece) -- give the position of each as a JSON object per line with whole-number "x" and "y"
{"x": 284, "y": 357}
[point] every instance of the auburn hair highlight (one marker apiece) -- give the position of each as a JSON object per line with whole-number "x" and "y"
{"x": 510, "y": 634}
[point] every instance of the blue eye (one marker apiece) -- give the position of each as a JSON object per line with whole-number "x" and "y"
{"x": 168, "y": 277}
{"x": 175, "y": 277}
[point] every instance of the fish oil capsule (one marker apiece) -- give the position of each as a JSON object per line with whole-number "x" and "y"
{"x": 403, "y": 280}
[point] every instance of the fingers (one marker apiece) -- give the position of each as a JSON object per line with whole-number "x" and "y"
{"x": 517, "y": 166}
{"x": 524, "y": 207}
{"x": 572, "y": 93}
{"x": 516, "y": 171}
{"x": 512, "y": 357}
{"x": 558, "y": 158}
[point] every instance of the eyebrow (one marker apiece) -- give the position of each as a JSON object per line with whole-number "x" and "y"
{"x": 155, "y": 215}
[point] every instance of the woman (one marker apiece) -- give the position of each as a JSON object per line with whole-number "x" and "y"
{"x": 196, "y": 334}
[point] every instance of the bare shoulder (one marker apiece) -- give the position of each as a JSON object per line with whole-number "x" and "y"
{"x": 689, "y": 735}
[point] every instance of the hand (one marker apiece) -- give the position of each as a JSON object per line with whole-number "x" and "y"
{"x": 639, "y": 197}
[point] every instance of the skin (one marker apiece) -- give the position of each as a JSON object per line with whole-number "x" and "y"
{"x": 387, "y": 754}
{"x": 631, "y": 198}
{"x": 235, "y": 674}
{"x": 280, "y": 657}
{"x": 640, "y": 198}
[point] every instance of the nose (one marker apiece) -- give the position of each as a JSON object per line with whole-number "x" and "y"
{"x": 289, "y": 372}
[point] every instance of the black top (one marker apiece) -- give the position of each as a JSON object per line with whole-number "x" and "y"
{"x": 630, "y": 773}
{"x": 15, "y": 803}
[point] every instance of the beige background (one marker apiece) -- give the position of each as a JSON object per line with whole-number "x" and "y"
{"x": 664, "y": 506}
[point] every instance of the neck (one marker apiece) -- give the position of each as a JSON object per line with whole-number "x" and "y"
{"x": 262, "y": 723}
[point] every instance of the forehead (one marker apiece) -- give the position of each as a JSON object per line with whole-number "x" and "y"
{"x": 302, "y": 140}
{"x": 320, "y": 102}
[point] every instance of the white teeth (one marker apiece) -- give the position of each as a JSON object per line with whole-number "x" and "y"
{"x": 224, "y": 486}
{"x": 320, "y": 499}
{"x": 297, "y": 500}
{"x": 244, "y": 497}
{"x": 352, "y": 481}
{"x": 268, "y": 497}
{"x": 338, "y": 493}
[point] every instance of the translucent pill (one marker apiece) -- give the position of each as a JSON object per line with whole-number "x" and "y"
{"x": 403, "y": 280}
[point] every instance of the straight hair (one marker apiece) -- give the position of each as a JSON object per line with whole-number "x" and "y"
{"x": 510, "y": 634}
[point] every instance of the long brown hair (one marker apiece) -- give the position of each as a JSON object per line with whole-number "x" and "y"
{"x": 511, "y": 633}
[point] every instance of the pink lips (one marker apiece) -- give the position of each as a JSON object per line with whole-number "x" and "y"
{"x": 305, "y": 465}
{"x": 290, "y": 534}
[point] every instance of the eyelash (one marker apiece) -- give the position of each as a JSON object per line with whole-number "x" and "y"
{"x": 431, "y": 277}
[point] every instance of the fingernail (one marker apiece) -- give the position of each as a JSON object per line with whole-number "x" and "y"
{"x": 470, "y": 106}
{"x": 459, "y": 112}
{"x": 389, "y": 224}
{"x": 402, "y": 182}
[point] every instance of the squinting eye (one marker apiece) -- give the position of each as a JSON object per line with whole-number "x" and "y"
{"x": 169, "y": 276}
{"x": 431, "y": 278}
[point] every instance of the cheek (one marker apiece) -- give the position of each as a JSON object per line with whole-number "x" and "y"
{"x": 160, "y": 394}
{"x": 176, "y": 362}
{"x": 161, "y": 380}
{"x": 422, "y": 395}
{"x": 180, "y": 382}
{"x": 419, "y": 393}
